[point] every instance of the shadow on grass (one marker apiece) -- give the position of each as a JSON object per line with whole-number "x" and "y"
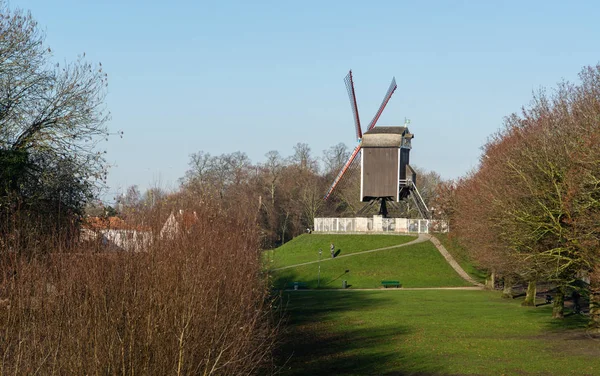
{"x": 284, "y": 279}
{"x": 572, "y": 322}
{"x": 318, "y": 342}
{"x": 568, "y": 336}
{"x": 330, "y": 282}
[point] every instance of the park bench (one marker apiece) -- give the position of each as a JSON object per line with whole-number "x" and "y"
{"x": 297, "y": 285}
{"x": 387, "y": 284}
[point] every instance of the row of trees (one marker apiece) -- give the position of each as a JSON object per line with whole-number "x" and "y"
{"x": 286, "y": 192}
{"x": 52, "y": 118}
{"x": 531, "y": 210}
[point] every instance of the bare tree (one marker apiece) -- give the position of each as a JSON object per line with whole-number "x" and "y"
{"x": 335, "y": 157}
{"x": 130, "y": 202}
{"x": 238, "y": 166}
{"x": 303, "y": 158}
{"x": 273, "y": 166}
{"x": 217, "y": 173}
{"x": 200, "y": 166}
{"x": 309, "y": 195}
{"x": 152, "y": 196}
{"x": 52, "y": 118}
{"x": 58, "y": 109}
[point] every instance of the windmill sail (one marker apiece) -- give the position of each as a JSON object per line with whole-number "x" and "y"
{"x": 339, "y": 176}
{"x": 352, "y": 95}
{"x": 386, "y": 99}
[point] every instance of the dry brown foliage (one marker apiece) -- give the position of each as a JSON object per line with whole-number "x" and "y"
{"x": 196, "y": 304}
{"x": 532, "y": 207}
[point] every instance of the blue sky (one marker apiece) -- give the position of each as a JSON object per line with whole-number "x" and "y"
{"x": 225, "y": 76}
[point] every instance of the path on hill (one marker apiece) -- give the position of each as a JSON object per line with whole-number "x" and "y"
{"x": 422, "y": 238}
{"x": 461, "y": 272}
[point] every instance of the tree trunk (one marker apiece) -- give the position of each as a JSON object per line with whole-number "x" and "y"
{"x": 272, "y": 190}
{"x": 530, "y": 297}
{"x": 284, "y": 228}
{"x": 507, "y": 291}
{"x": 558, "y": 308}
{"x": 490, "y": 281}
{"x": 594, "y": 324}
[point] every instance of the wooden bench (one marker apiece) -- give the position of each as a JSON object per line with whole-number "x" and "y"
{"x": 297, "y": 285}
{"x": 387, "y": 284}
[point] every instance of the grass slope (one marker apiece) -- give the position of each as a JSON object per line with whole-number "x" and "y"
{"x": 430, "y": 333}
{"x": 461, "y": 256}
{"x": 418, "y": 265}
{"x": 305, "y": 248}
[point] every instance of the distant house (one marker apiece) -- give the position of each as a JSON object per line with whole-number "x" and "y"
{"x": 117, "y": 234}
{"x": 182, "y": 221}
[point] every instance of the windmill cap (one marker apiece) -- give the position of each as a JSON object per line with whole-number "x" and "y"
{"x": 385, "y": 137}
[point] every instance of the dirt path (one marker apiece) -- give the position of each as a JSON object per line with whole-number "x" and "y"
{"x": 422, "y": 238}
{"x": 461, "y": 272}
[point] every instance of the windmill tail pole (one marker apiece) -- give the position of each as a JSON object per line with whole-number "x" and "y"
{"x": 342, "y": 171}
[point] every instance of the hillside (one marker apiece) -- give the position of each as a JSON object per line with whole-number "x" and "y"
{"x": 305, "y": 248}
{"x": 415, "y": 265}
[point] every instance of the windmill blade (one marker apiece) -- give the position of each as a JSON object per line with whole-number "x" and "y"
{"x": 343, "y": 171}
{"x": 353, "y": 169}
{"x": 352, "y": 95}
{"x": 386, "y": 99}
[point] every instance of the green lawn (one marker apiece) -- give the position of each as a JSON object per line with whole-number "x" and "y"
{"x": 403, "y": 332}
{"x": 305, "y": 248}
{"x": 462, "y": 257}
{"x": 417, "y": 265}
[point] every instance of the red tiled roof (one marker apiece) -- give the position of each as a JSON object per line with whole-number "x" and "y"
{"x": 110, "y": 223}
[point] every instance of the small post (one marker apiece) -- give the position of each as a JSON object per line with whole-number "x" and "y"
{"x": 345, "y": 282}
{"x": 319, "y": 275}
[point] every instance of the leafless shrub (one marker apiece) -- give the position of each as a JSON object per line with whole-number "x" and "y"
{"x": 196, "y": 304}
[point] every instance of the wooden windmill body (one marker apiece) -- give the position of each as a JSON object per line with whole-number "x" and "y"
{"x": 386, "y": 175}
{"x": 384, "y": 163}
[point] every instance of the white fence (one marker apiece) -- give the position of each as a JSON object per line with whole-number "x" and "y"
{"x": 378, "y": 224}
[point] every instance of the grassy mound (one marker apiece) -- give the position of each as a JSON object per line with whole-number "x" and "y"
{"x": 305, "y": 248}
{"x": 417, "y": 265}
{"x": 431, "y": 333}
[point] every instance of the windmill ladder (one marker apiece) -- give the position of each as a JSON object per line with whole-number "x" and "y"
{"x": 419, "y": 202}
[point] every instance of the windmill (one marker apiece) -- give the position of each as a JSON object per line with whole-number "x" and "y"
{"x": 386, "y": 176}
